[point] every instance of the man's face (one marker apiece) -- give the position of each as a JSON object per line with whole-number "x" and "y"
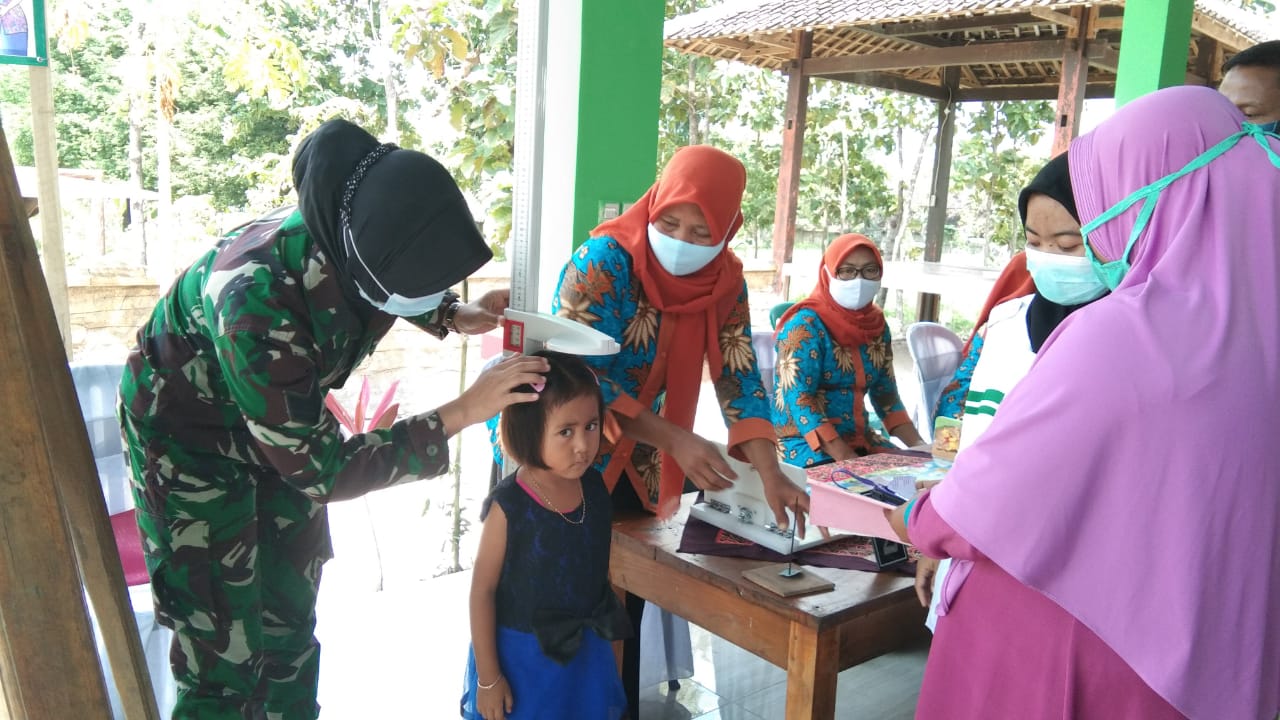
{"x": 1255, "y": 90}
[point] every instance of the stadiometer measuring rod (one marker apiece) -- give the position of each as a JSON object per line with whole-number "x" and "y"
{"x": 526, "y": 211}
{"x": 531, "y": 86}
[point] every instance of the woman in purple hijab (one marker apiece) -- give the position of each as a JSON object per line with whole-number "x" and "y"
{"x": 1122, "y": 513}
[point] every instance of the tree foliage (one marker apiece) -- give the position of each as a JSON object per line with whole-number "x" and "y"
{"x": 241, "y": 83}
{"x": 992, "y": 165}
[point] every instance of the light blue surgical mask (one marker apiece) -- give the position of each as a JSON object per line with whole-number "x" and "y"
{"x": 1064, "y": 279}
{"x": 402, "y": 306}
{"x": 679, "y": 257}
{"x": 852, "y": 294}
{"x": 1112, "y": 273}
{"x": 395, "y": 304}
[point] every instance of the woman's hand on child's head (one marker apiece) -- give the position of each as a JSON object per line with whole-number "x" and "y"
{"x": 496, "y": 702}
{"x": 495, "y": 389}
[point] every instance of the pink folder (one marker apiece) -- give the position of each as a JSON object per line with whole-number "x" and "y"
{"x": 838, "y": 509}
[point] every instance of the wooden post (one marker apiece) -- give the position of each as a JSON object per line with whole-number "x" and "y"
{"x": 1075, "y": 76}
{"x": 44, "y": 138}
{"x": 784, "y": 218}
{"x": 53, "y": 519}
{"x": 1209, "y": 60}
{"x": 935, "y": 228}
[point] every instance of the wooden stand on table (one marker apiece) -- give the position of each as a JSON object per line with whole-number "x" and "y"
{"x": 804, "y": 582}
{"x": 57, "y": 541}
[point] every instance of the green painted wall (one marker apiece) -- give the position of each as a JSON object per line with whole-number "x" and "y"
{"x": 1153, "y": 46}
{"x": 621, "y": 77}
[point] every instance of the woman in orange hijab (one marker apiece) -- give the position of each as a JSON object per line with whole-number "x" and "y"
{"x": 834, "y": 348}
{"x": 661, "y": 280}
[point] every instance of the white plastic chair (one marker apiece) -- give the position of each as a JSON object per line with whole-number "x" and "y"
{"x": 935, "y": 351}
{"x": 96, "y": 387}
{"x": 766, "y": 358}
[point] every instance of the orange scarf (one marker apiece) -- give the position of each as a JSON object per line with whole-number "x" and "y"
{"x": 693, "y": 306}
{"x": 849, "y": 328}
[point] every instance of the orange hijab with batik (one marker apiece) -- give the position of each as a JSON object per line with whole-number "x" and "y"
{"x": 693, "y": 306}
{"x": 849, "y": 328}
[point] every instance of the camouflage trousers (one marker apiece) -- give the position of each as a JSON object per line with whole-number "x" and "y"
{"x": 234, "y": 556}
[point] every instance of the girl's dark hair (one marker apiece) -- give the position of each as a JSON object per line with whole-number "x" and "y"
{"x": 523, "y": 424}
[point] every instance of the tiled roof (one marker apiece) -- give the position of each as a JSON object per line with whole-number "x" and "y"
{"x": 745, "y": 17}
{"x": 1000, "y": 48}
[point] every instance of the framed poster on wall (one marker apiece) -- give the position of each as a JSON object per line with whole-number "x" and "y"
{"x": 22, "y": 34}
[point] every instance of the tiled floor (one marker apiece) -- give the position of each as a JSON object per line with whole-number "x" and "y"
{"x": 732, "y": 684}
{"x": 399, "y": 653}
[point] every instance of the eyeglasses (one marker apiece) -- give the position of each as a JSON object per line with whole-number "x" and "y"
{"x": 849, "y": 272}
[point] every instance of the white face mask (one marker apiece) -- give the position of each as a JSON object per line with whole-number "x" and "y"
{"x": 1064, "y": 279}
{"x": 679, "y": 257}
{"x": 402, "y": 306}
{"x": 852, "y": 294}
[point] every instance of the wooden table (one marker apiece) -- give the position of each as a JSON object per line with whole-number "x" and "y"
{"x": 812, "y": 637}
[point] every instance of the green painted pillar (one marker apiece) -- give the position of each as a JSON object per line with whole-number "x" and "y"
{"x": 597, "y": 139}
{"x": 620, "y": 82}
{"x": 1153, "y": 46}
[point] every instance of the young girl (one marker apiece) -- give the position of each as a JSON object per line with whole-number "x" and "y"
{"x": 542, "y": 609}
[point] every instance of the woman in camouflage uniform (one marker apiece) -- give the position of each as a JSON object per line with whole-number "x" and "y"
{"x": 232, "y": 451}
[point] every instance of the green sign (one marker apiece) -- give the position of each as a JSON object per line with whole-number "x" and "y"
{"x": 22, "y": 37}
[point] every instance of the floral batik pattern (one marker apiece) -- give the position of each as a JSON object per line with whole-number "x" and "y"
{"x": 598, "y": 288}
{"x": 819, "y": 381}
{"x": 951, "y": 403}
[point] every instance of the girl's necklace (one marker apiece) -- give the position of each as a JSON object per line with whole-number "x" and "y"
{"x": 537, "y": 487}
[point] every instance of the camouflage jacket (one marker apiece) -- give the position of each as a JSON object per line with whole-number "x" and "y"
{"x": 238, "y": 356}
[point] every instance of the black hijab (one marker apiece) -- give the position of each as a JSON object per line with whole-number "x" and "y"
{"x": 1053, "y": 180}
{"x": 409, "y": 222}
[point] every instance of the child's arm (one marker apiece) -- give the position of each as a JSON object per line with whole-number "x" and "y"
{"x": 493, "y": 695}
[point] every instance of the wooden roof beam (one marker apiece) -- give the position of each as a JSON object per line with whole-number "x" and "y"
{"x": 1233, "y": 41}
{"x": 1103, "y": 56}
{"x": 1031, "y": 92}
{"x": 873, "y": 32}
{"x": 991, "y": 53}
{"x": 896, "y": 83}
{"x": 944, "y": 25}
{"x": 1200, "y": 24}
{"x": 1071, "y": 24}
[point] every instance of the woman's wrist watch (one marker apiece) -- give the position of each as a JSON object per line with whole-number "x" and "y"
{"x": 443, "y": 316}
{"x": 446, "y": 320}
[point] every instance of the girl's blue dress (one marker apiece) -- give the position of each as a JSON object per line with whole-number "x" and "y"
{"x": 554, "y": 601}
